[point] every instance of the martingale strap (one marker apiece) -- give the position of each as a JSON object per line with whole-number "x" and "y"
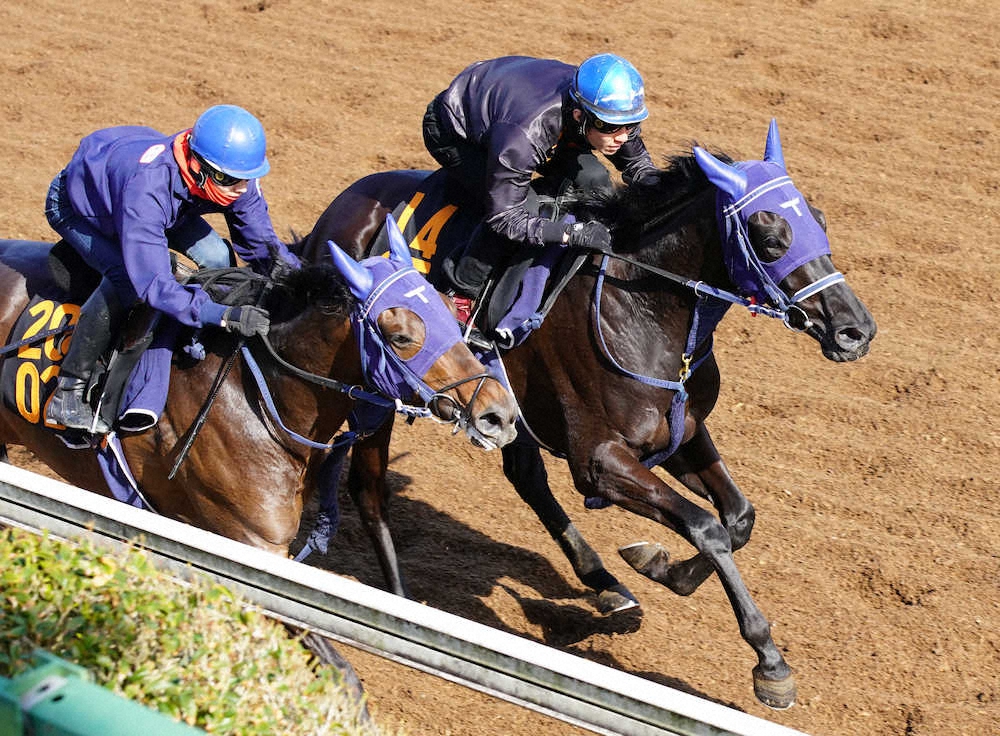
{"x": 368, "y": 415}
{"x": 704, "y": 320}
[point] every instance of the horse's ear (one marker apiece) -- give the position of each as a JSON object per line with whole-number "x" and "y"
{"x": 727, "y": 178}
{"x": 399, "y": 251}
{"x": 359, "y": 279}
{"x": 772, "y": 149}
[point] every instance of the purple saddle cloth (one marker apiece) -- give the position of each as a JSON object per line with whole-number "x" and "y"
{"x": 142, "y": 403}
{"x": 523, "y": 290}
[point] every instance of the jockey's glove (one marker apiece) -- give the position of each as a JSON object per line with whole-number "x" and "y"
{"x": 591, "y": 234}
{"x": 280, "y": 268}
{"x": 247, "y": 321}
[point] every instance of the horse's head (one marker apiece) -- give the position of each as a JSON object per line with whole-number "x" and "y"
{"x": 411, "y": 345}
{"x": 777, "y": 252}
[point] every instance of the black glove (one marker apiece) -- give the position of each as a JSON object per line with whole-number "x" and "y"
{"x": 591, "y": 234}
{"x": 248, "y": 321}
{"x": 280, "y": 268}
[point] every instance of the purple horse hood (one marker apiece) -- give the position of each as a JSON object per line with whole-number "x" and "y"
{"x": 768, "y": 188}
{"x": 386, "y": 372}
{"x": 385, "y": 283}
{"x": 752, "y": 186}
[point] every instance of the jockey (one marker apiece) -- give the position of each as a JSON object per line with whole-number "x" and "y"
{"x": 503, "y": 120}
{"x": 130, "y": 193}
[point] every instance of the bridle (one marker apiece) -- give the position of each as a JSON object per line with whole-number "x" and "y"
{"x": 712, "y": 303}
{"x": 435, "y": 400}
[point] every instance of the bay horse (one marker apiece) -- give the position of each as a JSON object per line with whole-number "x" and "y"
{"x": 620, "y": 376}
{"x": 250, "y": 471}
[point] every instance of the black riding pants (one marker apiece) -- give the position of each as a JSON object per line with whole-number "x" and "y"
{"x": 468, "y": 268}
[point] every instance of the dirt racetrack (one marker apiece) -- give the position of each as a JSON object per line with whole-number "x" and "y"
{"x": 876, "y": 484}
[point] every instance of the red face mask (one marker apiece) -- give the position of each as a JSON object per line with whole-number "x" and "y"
{"x": 196, "y": 182}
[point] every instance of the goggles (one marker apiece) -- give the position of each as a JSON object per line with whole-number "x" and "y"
{"x": 607, "y": 128}
{"x": 219, "y": 177}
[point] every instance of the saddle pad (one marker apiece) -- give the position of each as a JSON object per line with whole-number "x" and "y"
{"x": 436, "y": 221}
{"x": 28, "y": 376}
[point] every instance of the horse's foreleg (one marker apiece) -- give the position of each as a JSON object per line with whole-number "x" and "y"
{"x": 367, "y": 486}
{"x": 699, "y": 467}
{"x": 615, "y": 474}
{"x": 326, "y": 653}
{"x": 525, "y": 469}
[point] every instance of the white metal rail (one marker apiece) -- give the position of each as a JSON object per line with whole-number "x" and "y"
{"x": 563, "y": 685}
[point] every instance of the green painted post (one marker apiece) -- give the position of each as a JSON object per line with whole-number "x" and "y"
{"x": 57, "y": 698}
{"x": 11, "y": 723}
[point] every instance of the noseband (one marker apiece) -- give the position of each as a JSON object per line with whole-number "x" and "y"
{"x": 461, "y": 414}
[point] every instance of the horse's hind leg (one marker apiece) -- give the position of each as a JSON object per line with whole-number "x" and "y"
{"x": 699, "y": 467}
{"x": 367, "y": 486}
{"x": 524, "y": 468}
{"x": 3, "y": 454}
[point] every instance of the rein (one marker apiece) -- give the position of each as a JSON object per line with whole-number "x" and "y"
{"x": 700, "y": 288}
{"x": 354, "y": 391}
{"x": 358, "y": 393}
{"x": 11, "y": 347}
{"x": 791, "y": 315}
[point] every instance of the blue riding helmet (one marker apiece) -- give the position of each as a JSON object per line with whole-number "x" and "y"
{"x": 611, "y": 89}
{"x": 231, "y": 140}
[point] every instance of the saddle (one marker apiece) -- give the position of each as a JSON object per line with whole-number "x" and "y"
{"x": 438, "y": 222}
{"x": 129, "y": 384}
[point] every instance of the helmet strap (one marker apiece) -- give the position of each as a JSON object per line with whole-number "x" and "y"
{"x": 194, "y": 166}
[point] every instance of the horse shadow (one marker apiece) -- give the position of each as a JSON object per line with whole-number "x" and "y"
{"x": 429, "y": 541}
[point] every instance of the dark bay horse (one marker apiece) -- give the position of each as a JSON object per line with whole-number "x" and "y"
{"x": 620, "y": 377}
{"x": 249, "y": 472}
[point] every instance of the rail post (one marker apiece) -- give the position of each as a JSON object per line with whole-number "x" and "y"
{"x": 58, "y": 698}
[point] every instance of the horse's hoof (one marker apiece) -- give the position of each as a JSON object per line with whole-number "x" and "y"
{"x": 777, "y": 694}
{"x": 649, "y": 558}
{"x": 615, "y": 599}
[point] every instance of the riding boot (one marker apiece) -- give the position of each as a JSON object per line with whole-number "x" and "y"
{"x": 470, "y": 266}
{"x": 91, "y": 337}
{"x": 68, "y": 405}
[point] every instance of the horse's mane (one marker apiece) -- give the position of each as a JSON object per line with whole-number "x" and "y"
{"x": 286, "y": 296}
{"x": 630, "y": 209}
{"x": 320, "y": 286}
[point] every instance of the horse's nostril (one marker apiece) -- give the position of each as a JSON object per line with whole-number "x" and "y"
{"x": 490, "y": 420}
{"x": 849, "y": 337}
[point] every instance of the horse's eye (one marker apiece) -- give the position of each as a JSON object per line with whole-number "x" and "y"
{"x": 402, "y": 330}
{"x": 770, "y": 235}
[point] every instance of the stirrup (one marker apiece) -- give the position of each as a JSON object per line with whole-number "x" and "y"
{"x": 68, "y": 408}
{"x": 473, "y": 337}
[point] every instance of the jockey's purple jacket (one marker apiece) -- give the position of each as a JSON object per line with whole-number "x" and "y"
{"x": 125, "y": 181}
{"x": 513, "y": 108}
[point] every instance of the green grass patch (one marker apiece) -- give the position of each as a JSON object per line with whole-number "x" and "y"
{"x": 194, "y": 651}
